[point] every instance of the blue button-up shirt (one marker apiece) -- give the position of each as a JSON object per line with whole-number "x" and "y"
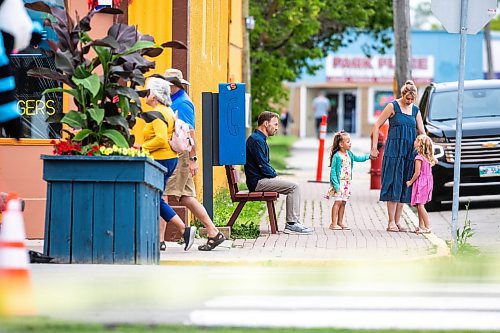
{"x": 257, "y": 166}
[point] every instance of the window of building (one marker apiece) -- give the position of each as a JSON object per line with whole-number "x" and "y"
{"x": 377, "y": 101}
{"x": 38, "y": 111}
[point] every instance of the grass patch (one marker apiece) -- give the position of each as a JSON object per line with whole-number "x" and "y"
{"x": 45, "y": 325}
{"x": 279, "y": 150}
{"x": 247, "y": 224}
{"x": 464, "y": 234}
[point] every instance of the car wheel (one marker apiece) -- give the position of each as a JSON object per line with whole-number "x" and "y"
{"x": 433, "y": 206}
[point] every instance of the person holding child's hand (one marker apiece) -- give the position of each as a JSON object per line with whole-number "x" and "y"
{"x": 341, "y": 162}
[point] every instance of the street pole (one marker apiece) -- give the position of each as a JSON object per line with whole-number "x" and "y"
{"x": 489, "y": 59}
{"x": 402, "y": 42}
{"x": 458, "y": 136}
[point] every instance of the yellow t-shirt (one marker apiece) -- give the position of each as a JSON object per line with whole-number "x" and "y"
{"x": 157, "y": 134}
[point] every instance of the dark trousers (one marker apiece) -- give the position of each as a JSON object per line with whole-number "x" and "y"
{"x": 166, "y": 212}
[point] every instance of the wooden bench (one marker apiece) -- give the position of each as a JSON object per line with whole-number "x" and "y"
{"x": 242, "y": 197}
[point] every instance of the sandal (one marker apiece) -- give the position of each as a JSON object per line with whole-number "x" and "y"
{"x": 212, "y": 242}
{"x": 422, "y": 230}
{"x": 392, "y": 228}
{"x": 334, "y": 227}
{"x": 344, "y": 227}
{"x": 163, "y": 246}
{"x": 400, "y": 228}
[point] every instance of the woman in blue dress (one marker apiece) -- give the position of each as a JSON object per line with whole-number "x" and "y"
{"x": 405, "y": 123}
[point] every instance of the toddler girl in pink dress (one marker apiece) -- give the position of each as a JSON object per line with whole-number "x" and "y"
{"x": 422, "y": 181}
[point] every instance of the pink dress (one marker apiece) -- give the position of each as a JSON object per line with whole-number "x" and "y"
{"x": 421, "y": 192}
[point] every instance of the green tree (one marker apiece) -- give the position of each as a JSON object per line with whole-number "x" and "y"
{"x": 290, "y": 35}
{"x": 495, "y": 23}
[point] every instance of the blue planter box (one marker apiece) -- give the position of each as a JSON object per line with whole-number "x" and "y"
{"x": 102, "y": 209}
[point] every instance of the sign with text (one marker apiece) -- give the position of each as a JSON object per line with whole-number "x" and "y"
{"x": 37, "y": 109}
{"x": 358, "y": 68}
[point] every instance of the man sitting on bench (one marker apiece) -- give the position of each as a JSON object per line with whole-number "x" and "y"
{"x": 261, "y": 177}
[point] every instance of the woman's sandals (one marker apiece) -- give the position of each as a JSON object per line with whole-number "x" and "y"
{"x": 396, "y": 227}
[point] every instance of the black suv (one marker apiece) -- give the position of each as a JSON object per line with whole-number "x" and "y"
{"x": 480, "y": 163}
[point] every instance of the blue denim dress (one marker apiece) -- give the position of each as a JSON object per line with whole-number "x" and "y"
{"x": 399, "y": 155}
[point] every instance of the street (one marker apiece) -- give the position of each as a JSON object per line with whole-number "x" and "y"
{"x": 366, "y": 294}
{"x": 483, "y": 214}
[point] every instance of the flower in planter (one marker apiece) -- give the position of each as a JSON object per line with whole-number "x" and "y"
{"x": 104, "y": 86}
{"x": 69, "y": 147}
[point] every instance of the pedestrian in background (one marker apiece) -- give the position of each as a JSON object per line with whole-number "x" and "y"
{"x": 261, "y": 176}
{"x": 341, "y": 162}
{"x": 405, "y": 121}
{"x": 422, "y": 183}
{"x": 181, "y": 184}
{"x": 286, "y": 119}
{"x": 157, "y": 132}
{"x": 320, "y": 106}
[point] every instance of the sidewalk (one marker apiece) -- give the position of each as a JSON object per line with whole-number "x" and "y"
{"x": 366, "y": 216}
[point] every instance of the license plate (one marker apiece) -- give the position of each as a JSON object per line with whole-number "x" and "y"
{"x": 489, "y": 170}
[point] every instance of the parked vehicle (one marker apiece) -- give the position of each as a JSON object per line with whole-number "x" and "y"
{"x": 480, "y": 158}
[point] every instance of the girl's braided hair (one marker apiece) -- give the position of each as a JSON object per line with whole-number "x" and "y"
{"x": 337, "y": 139}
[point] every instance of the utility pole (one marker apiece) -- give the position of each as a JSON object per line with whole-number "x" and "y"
{"x": 489, "y": 59}
{"x": 401, "y": 12}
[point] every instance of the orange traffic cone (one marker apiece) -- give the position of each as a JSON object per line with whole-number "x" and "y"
{"x": 16, "y": 297}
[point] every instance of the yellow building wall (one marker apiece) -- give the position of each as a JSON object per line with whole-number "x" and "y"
{"x": 152, "y": 17}
{"x": 215, "y": 52}
{"x": 208, "y": 61}
{"x": 236, "y": 41}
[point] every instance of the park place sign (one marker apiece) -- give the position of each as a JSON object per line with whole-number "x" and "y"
{"x": 479, "y": 12}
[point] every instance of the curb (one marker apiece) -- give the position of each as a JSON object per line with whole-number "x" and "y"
{"x": 296, "y": 263}
{"x": 442, "y": 248}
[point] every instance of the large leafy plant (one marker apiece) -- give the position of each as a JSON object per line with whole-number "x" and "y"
{"x": 103, "y": 83}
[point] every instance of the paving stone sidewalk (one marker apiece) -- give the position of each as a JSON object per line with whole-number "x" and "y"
{"x": 365, "y": 215}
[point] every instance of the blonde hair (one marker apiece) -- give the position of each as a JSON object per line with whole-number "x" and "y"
{"x": 409, "y": 88}
{"x": 424, "y": 148}
{"x": 160, "y": 89}
{"x": 337, "y": 139}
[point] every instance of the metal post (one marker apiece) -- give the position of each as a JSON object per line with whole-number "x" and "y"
{"x": 207, "y": 147}
{"x": 458, "y": 136}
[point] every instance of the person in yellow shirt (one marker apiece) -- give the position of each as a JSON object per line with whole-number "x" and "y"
{"x": 157, "y": 133}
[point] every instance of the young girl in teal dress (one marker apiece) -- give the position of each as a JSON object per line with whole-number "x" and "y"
{"x": 341, "y": 162}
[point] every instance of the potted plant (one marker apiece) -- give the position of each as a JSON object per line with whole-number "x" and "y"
{"x": 100, "y": 190}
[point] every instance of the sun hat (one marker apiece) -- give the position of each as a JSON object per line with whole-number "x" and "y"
{"x": 174, "y": 72}
{"x": 160, "y": 89}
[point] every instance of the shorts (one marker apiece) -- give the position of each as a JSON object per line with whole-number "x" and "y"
{"x": 181, "y": 183}
{"x": 340, "y": 198}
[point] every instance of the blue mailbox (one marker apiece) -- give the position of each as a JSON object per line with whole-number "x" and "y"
{"x": 232, "y": 132}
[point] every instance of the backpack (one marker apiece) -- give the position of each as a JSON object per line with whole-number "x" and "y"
{"x": 181, "y": 136}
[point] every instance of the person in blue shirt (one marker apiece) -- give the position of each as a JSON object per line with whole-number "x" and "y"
{"x": 260, "y": 175}
{"x": 181, "y": 183}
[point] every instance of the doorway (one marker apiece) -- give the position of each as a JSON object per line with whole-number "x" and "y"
{"x": 342, "y": 113}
